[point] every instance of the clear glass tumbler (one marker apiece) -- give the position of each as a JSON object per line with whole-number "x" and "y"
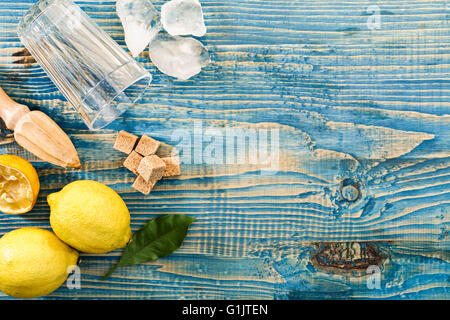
{"x": 90, "y": 69}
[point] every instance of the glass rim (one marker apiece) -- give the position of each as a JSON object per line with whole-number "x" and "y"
{"x": 146, "y": 75}
{"x": 33, "y": 14}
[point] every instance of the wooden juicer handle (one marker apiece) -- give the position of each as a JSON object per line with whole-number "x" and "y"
{"x": 37, "y": 133}
{"x": 11, "y": 111}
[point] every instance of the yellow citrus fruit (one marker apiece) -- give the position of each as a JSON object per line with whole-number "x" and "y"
{"x": 33, "y": 262}
{"x": 19, "y": 184}
{"x": 90, "y": 217}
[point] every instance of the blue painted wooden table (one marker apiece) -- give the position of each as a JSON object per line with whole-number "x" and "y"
{"x": 358, "y": 92}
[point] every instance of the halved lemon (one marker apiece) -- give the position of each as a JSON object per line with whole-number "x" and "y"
{"x": 19, "y": 184}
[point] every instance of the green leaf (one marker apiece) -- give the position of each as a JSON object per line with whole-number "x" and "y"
{"x": 158, "y": 238}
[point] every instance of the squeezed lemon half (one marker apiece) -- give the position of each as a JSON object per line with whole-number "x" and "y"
{"x": 19, "y": 184}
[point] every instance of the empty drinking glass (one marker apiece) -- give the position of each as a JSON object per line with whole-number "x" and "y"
{"x": 90, "y": 69}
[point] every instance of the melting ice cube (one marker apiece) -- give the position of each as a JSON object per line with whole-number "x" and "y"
{"x": 140, "y": 22}
{"x": 183, "y": 17}
{"x": 178, "y": 57}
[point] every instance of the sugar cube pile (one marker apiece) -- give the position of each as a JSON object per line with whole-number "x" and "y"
{"x": 143, "y": 161}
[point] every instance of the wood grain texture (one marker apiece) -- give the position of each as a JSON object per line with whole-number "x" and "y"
{"x": 369, "y": 106}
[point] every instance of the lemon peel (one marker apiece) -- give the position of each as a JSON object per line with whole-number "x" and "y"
{"x": 33, "y": 262}
{"x": 90, "y": 216}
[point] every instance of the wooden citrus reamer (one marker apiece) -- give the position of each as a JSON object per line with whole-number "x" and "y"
{"x": 37, "y": 133}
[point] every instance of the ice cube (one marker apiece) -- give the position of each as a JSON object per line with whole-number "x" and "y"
{"x": 178, "y": 57}
{"x": 183, "y": 17}
{"x": 140, "y": 22}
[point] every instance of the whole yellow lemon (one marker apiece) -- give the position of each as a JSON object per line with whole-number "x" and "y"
{"x": 33, "y": 262}
{"x": 90, "y": 217}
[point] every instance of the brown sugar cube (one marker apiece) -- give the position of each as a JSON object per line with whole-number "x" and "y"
{"x": 132, "y": 161}
{"x": 147, "y": 146}
{"x": 151, "y": 168}
{"x": 125, "y": 142}
{"x": 172, "y": 166}
{"x": 143, "y": 186}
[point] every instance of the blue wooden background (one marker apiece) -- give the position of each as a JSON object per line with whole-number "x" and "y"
{"x": 350, "y": 102}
